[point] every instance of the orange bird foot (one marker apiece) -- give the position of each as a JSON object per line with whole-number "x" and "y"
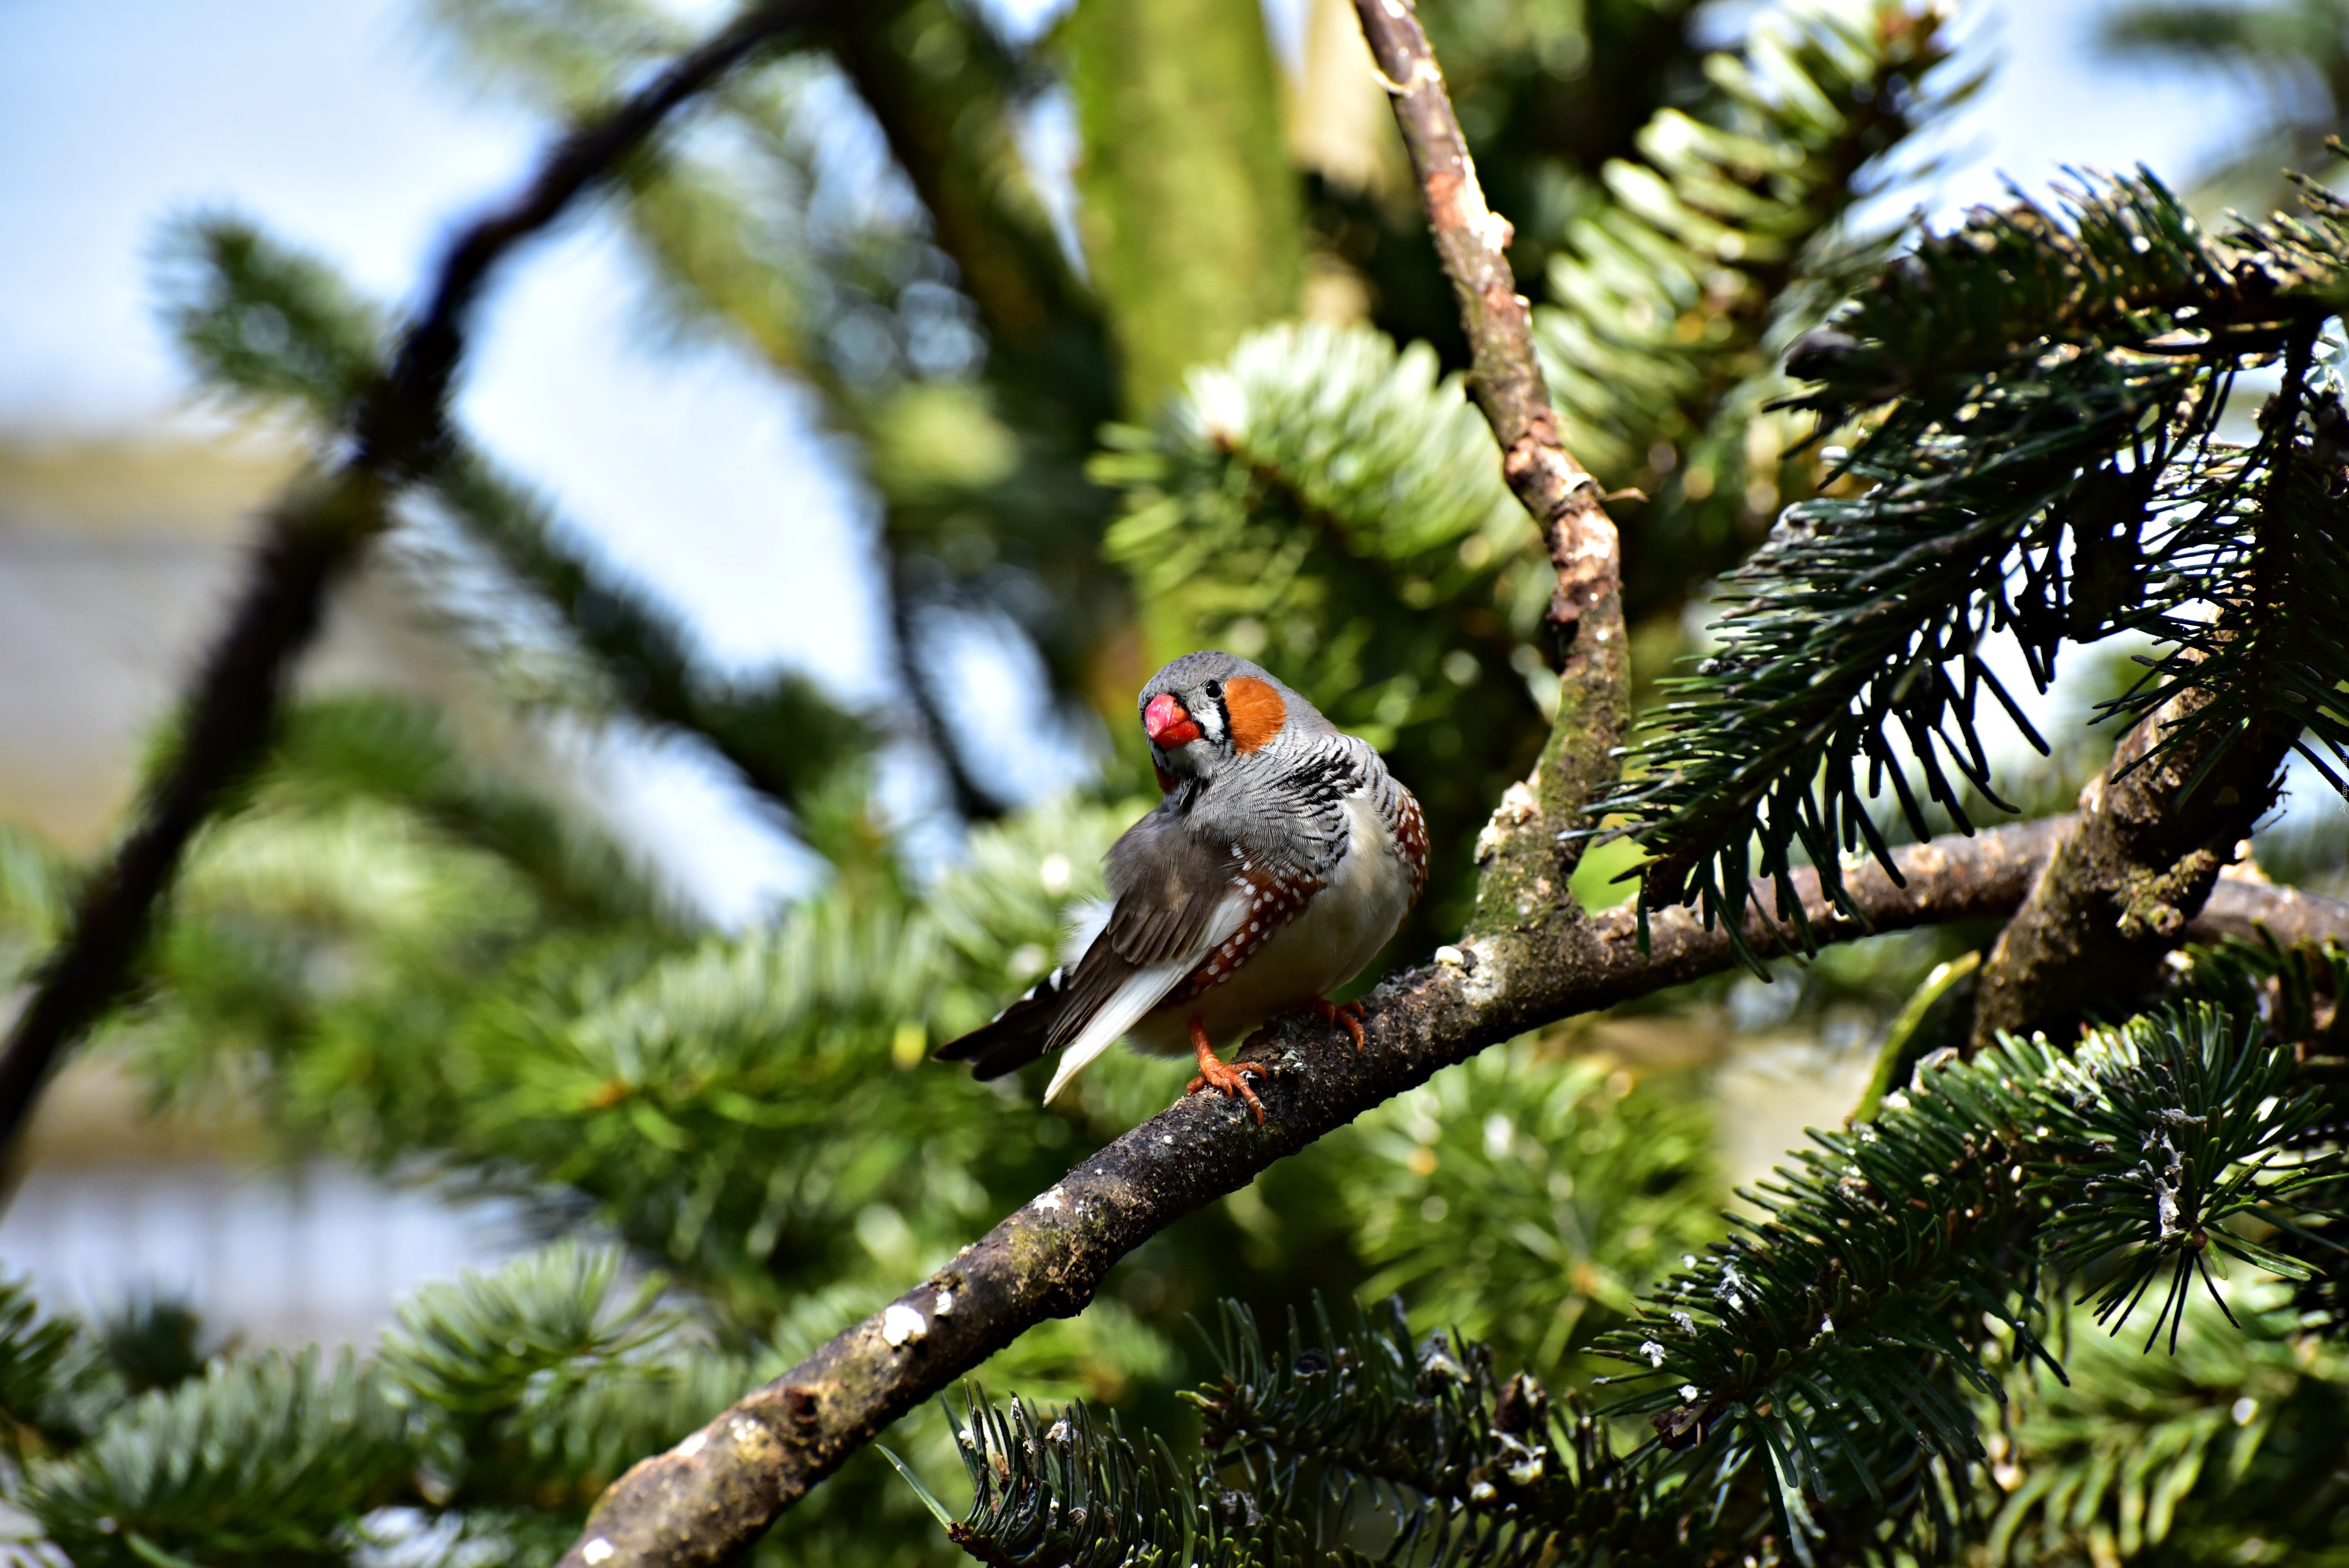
{"x": 1346, "y": 1013}
{"x": 1214, "y": 1074}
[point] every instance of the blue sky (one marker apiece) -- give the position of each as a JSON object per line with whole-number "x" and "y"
{"x": 333, "y": 122}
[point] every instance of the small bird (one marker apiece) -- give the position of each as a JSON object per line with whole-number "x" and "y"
{"x": 1282, "y": 860}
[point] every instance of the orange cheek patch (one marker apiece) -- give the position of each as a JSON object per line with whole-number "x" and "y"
{"x": 1257, "y": 712}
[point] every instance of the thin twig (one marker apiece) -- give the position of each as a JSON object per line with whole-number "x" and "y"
{"x": 1530, "y": 848}
{"x": 973, "y": 801}
{"x": 704, "y": 1500}
{"x": 1506, "y": 381}
{"x": 314, "y": 535}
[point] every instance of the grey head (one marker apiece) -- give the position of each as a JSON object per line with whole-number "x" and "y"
{"x": 1209, "y": 710}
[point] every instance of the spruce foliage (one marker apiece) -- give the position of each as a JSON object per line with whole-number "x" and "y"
{"x": 1526, "y": 1198}
{"x": 1299, "y": 1452}
{"x": 2047, "y": 467}
{"x": 270, "y": 329}
{"x": 1673, "y": 302}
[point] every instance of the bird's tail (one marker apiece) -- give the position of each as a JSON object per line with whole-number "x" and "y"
{"x": 1017, "y": 1035}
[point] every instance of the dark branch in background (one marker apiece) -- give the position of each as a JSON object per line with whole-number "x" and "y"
{"x": 781, "y": 735}
{"x": 716, "y": 1492}
{"x": 310, "y": 538}
{"x": 398, "y": 424}
{"x": 963, "y": 169}
{"x": 313, "y": 537}
{"x": 943, "y": 109}
{"x": 973, "y": 802}
{"x": 1045, "y": 338}
{"x": 1525, "y": 883}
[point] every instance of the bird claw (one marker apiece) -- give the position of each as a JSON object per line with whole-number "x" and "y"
{"x": 1346, "y": 1013}
{"x": 1231, "y": 1081}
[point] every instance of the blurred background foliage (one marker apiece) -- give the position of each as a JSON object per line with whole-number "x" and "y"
{"x": 1203, "y": 388}
{"x": 2297, "y": 52}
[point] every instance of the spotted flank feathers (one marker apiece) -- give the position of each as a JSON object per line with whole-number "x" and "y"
{"x": 1273, "y": 902}
{"x": 1409, "y": 826}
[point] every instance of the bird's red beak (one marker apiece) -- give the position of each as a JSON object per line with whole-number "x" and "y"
{"x": 1167, "y": 723}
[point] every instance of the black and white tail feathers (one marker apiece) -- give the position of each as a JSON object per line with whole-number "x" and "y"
{"x": 1016, "y": 1035}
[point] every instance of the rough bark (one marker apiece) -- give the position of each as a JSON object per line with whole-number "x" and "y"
{"x": 312, "y": 538}
{"x": 1529, "y": 848}
{"x": 2136, "y": 865}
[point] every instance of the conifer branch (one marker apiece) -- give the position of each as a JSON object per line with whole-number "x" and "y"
{"x": 1831, "y": 1335}
{"x": 2220, "y": 713}
{"x": 1526, "y": 880}
{"x": 1806, "y": 1379}
{"x": 702, "y": 1501}
{"x": 1299, "y": 1452}
{"x": 2046, "y": 469}
{"x": 2242, "y": 908}
{"x": 314, "y": 536}
{"x": 1671, "y": 303}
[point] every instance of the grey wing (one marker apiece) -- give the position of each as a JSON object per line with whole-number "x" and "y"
{"x": 1170, "y": 883}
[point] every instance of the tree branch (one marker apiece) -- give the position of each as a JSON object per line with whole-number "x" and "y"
{"x": 2155, "y": 826}
{"x": 783, "y": 738}
{"x": 314, "y": 535}
{"x": 713, "y": 1494}
{"x": 1526, "y": 850}
{"x": 2240, "y": 907}
{"x": 2138, "y": 863}
{"x": 973, "y": 802}
{"x": 2152, "y": 830}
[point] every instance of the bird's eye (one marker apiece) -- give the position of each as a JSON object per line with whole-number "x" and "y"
{"x": 1214, "y": 690}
